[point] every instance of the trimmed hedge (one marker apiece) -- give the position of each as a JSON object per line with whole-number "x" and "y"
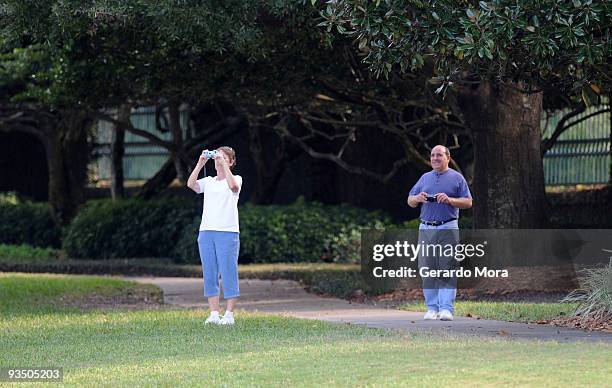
{"x": 168, "y": 228}
{"x": 24, "y": 251}
{"x": 28, "y": 223}
{"x": 298, "y": 232}
{"x": 124, "y": 267}
{"x": 186, "y": 248}
{"x": 131, "y": 228}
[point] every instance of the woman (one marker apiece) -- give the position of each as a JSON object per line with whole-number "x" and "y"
{"x": 218, "y": 239}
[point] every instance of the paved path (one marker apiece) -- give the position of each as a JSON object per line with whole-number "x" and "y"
{"x": 285, "y": 297}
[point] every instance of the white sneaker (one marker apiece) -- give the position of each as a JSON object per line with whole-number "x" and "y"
{"x": 446, "y": 315}
{"x": 431, "y": 315}
{"x": 213, "y": 319}
{"x": 228, "y": 319}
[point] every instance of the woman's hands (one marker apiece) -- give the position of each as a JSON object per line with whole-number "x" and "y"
{"x": 203, "y": 159}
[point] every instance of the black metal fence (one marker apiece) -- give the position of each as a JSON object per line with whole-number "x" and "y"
{"x": 582, "y": 153}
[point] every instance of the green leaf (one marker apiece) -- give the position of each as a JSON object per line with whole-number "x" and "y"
{"x": 589, "y": 96}
{"x": 363, "y": 43}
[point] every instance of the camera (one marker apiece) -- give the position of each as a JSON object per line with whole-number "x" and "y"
{"x": 209, "y": 154}
{"x": 431, "y": 198}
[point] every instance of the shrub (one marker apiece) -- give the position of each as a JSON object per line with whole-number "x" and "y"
{"x": 298, "y": 232}
{"x": 186, "y": 248}
{"x": 345, "y": 247}
{"x": 595, "y": 293}
{"x": 130, "y": 228}
{"x": 25, "y": 251}
{"x": 125, "y": 267}
{"x": 9, "y": 198}
{"x": 27, "y": 223}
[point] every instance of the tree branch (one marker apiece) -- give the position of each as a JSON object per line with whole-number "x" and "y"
{"x": 139, "y": 132}
{"x": 281, "y": 128}
{"x": 561, "y": 127}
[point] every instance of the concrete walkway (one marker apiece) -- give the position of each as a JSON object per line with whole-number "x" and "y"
{"x": 288, "y": 298}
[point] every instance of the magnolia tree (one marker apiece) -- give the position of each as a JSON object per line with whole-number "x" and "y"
{"x": 493, "y": 61}
{"x": 266, "y": 59}
{"x": 63, "y": 63}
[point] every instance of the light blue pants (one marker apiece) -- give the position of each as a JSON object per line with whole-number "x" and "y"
{"x": 442, "y": 298}
{"x": 219, "y": 256}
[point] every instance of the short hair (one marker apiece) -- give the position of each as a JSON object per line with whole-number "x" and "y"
{"x": 446, "y": 150}
{"x": 229, "y": 151}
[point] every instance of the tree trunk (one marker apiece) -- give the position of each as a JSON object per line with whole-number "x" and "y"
{"x": 158, "y": 182}
{"x": 117, "y": 152}
{"x": 192, "y": 148}
{"x": 177, "y": 139}
{"x": 508, "y": 186}
{"x": 610, "y": 115}
{"x": 67, "y": 156}
{"x": 267, "y": 176}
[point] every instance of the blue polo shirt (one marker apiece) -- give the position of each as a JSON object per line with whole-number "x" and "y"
{"x": 449, "y": 182}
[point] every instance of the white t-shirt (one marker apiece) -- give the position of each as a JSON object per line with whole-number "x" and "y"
{"x": 220, "y": 210}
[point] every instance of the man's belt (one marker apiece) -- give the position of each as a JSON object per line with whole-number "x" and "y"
{"x": 436, "y": 223}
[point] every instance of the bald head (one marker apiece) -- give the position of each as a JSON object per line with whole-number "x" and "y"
{"x": 440, "y": 158}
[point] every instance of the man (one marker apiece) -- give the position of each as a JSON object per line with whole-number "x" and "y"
{"x": 441, "y": 193}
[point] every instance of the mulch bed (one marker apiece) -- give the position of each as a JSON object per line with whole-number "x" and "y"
{"x": 589, "y": 323}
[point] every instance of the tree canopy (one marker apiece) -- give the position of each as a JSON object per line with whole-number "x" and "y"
{"x": 268, "y": 62}
{"x": 538, "y": 42}
{"x": 101, "y": 53}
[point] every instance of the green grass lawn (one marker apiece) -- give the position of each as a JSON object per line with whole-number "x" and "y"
{"x": 46, "y": 293}
{"x": 172, "y": 347}
{"x": 328, "y": 278}
{"x": 504, "y": 311}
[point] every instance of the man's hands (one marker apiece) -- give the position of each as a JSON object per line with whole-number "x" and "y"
{"x": 415, "y": 200}
{"x": 460, "y": 203}
{"x": 440, "y": 198}
{"x": 443, "y": 198}
{"x": 421, "y": 197}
